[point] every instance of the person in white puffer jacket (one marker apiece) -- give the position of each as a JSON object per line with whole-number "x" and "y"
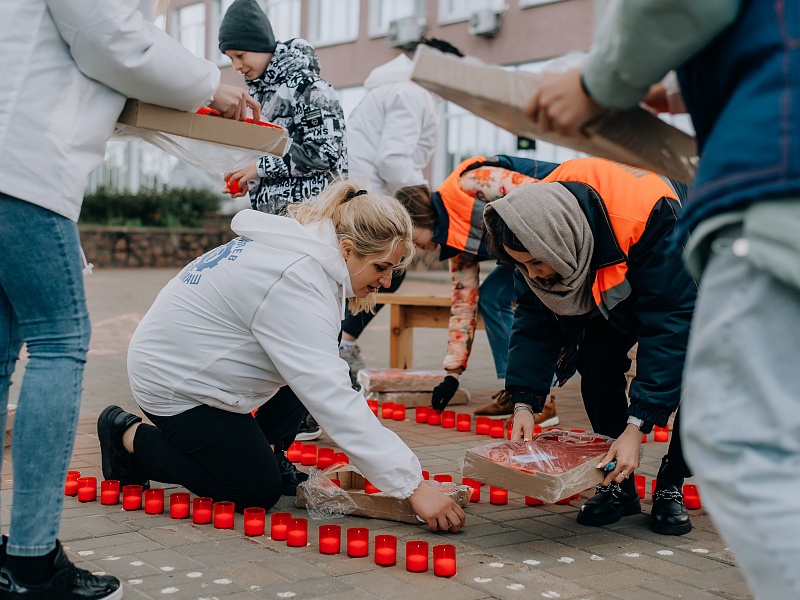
{"x": 67, "y": 68}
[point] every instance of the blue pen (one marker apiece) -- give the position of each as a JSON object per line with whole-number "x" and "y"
{"x": 610, "y": 466}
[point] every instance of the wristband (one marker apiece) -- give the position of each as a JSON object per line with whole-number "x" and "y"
{"x": 522, "y": 407}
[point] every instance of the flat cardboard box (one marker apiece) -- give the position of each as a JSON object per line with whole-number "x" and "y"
{"x": 377, "y": 506}
{"x": 635, "y": 137}
{"x": 269, "y": 139}
{"x": 399, "y": 380}
{"x": 411, "y": 399}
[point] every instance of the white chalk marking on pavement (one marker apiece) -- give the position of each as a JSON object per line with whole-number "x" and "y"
{"x": 85, "y": 552}
{"x": 532, "y": 562}
{"x": 170, "y": 590}
{"x": 98, "y": 573}
{"x": 482, "y": 579}
{"x": 566, "y": 559}
{"x": 134, "y": 581}
{"x": 223, "y": 581}
{"x": 112, "y": 558}
{"x": 665, "y": 552}
{"x": 700, "y": 550}
{"x": 194, "y": 574}
{"x": 136, "y": 563}
{"x": 286, "y": 594}
{"x": 551, "y": 594}
{"x": 595, "y": 557}
{"x": 631, "y": 554}
{"x": 516, "y": 587}
{"x": 167, "y": 569}
{"x": 497, "y": 565}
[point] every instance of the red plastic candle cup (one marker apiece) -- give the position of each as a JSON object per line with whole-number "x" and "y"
{"x": 497, "y": 429}
{"x": 497, "y": 495}
{"x": 537, "y": 429}
{"x": 373, "y": 406}
{"x": 340, "y": 458}
{"x": 87, "y": 489}
{"x": 463, "y": 422}
{"x": 578, "y": 430}
{"x": 109, "y": 492}
{"x": 416, "y": 556}
{"x": 255, "y": 519}
{"x": 661, "y": 434}
{"x": 385, "y": 550}
{"x": 421, "y": 414}
{"x": 399, "y": 412}
{"x": 71, "y": 485}
{"x": 564, "y": 501}
{"x": 443, "y": 477}
{"x": 449, "y": 419}
{"x": 444, "y": 560}
{"x": 641, "y": 485}
{"x": 154, "y": 501}
{"x": 325, "y": 458}
{"x": 131, "y": 497}
{"x": 223, "y": 514}
{"x": 297, "y": 533}
{"x": 234, "y": 185}
{"x": 482, "y": 425}
{"x": 357, "y": 542}
{"x": 336, "y": 482}
{"x": 308, "y": 455}
{"x": 531, "y": 501}
{"x": 434, "y": 417}
{"x": 387, "y": 410}
{"x": 369, "y": 488}
{"x": 644, "y": 438}
{"x": 330, "y": 539}
{"x": 202, "y": 510}
{"x": 426, "y": 475}
{"x": 179, "y": 505}
{"x": 475, "y": 486}
{"x": 278, "y": 525}
{"x": 691, "y": 497}
{"x": 295, "y": 451}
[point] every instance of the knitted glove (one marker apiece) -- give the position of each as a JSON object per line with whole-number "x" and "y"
{"x": 444, "y": 392}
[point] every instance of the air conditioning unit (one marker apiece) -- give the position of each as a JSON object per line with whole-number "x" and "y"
{"x": 485, "y": 22}
{"x": 405, "y": 33}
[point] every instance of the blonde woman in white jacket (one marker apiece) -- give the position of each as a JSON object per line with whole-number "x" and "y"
{"x": 67, "y": 68}
{"x": 251, "y": 317}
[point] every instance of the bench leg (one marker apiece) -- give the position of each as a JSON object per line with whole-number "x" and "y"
{"x": 401, "y": 339}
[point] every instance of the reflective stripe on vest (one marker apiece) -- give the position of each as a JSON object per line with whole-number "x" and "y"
{"x": 464, "y": 211}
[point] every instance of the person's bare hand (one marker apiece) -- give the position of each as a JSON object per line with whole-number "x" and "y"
{"x": 523, "y": 425}
{"x": 625, "y": 450}
{"x": 232, "y": 103}
{"x": 439, "y": 511}
{"x": 561, "y": 106}
{"x": 242, "y": 175}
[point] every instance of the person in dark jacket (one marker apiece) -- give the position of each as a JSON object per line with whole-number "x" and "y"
{"x": 595, "y": 275}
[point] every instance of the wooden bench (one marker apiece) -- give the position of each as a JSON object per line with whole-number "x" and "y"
{"x": 408, "y": 312}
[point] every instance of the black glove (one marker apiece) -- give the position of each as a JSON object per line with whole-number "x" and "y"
{"x": 444, "y": 392}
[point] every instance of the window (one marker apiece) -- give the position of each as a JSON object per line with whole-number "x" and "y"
{"x": 189, "y": 28}
{"x": 383, "y": 12}
{"x": 333, "y": 21}
{"x": 283, "y": 15}
{"x": 451, "y": 11}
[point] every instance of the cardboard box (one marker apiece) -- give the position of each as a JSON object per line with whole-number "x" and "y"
{"x": 635, "y": 137}
{"x": 269, "y": 138}
{"x": 375, "y": 506}
{"x": 399, "y": 380}
{"x": 552, "y": 466}
{"x": 461, "y": 396}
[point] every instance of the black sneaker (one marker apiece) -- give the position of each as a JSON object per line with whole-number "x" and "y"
{"x": 289, "y": 474}
{"x": 610, "y": 503}
{"x": 309, "y": 430}
{"x": 67, "y": 583}
{"x": 118, "y": 463}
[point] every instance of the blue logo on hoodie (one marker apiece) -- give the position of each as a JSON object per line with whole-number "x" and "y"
{"x": 191, "y": 274}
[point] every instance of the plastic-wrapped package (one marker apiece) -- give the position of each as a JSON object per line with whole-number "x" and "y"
{"x": 461, "y": 396}
{"x": 552, "y": 466}
{"x": 399, "y": 380}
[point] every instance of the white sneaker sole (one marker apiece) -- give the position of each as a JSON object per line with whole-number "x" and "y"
{"x": 551, "y": 422}
{"x": 308, "y": 436}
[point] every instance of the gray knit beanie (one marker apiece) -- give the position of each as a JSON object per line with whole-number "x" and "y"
{"x": 245, "y": 27}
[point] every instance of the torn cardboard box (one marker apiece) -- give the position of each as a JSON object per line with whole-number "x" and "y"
{"x": 324, "y": 499}
{"x": 418, "y": 398}
{"x": 635, "y": 137}
{"x": 552, "y": 466}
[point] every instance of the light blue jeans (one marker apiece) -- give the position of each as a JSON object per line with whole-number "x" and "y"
{"x": 42, "y": 304}
{"x": 741, "y": 416}
{"x": 495, "y": 304}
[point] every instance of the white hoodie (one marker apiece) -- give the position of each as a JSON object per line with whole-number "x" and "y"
{"x": 391, "y": 134}
{"x": 249, "y": 317}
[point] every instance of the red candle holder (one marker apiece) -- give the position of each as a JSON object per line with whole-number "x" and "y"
{"x": 109, "y": 492}
{"x": 463, "y": 422}
{"x": 71, "y": 484}
{"x": 444, "y": 560}
{"x": 385, "y": 550}
{"x": 297, "y": 533}
{"x": 443, "y": 477}
{"x": 179, "y": 505}
{"x": 325, "y": 458}
{"x": 357, "y": 542}
{"x": 482, "y": 425}
{"x": 691, "y": 497}
{"x": 202, "y": 510}
{"x": 416, "y": 556}
{"x": 641, "y": 485}
{"x": 564, "y": 501}
{"x": 449, "y": 419}
{"x": 537, "y": 429}
{"x": 154, "y": 501}
{"x": 661, "y": 434}
{"x": 497, "y": 429}
{"x": 387, "y": 409}
{"x": 255, "y": 519}
{"x": 531, "y": 501}
{"x": 399, "y": 412}
{"x": 223, "y": 514}
{"x": 330, "y": 539}
{"x": 498, "y": 495}
{"x": 421, "y": 414}
{"x": 295, "y": 451}
{"x": 131, "y": 497}
{"x": 434, "y": 417}
{"x": 373, "y": 406}
{"x": 475, "y": 486}
{"x": 308, "y": 455}
{"x": 426, "y": 475}
{"x": 340, "y": 458}
{"x": 87, "y": 489}
{"x": 369, "y": 488}
{"x": 235, "y": 185}
{"x": 279, "y": 525}
{"x": 644, "y": 438}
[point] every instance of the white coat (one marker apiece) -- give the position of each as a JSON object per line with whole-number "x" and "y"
{"x": 66, "y": 70}
{"x": 391, "y": 134}
{"x": 249, "y": 317}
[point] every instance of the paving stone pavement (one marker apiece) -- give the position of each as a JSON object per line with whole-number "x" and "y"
{"x": 506, "y": 552}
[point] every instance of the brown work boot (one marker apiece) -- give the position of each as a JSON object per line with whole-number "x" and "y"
{"x": 502, "y": 405}
{"x": 548, "y": 417}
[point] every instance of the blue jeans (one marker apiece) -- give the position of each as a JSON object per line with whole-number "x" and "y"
{"x": 495, "y": 304}
{"x": 42, "y": 304}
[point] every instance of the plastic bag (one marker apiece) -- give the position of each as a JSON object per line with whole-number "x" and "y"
{"x": 399, "y": 380}
{"x": 325, "y": 499}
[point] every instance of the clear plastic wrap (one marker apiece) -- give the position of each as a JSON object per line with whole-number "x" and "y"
{"x": 461, "y": 396}
{"x": 324, "y": 499}
{"x": 399, "y": 380}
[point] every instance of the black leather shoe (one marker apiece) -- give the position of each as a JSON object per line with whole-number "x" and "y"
{"x": 289, "y": 474}
{"x": 67, "y": 583}
{"x": 669, "y": 515}
{"x": 118, "y": 463}
{"x": 610, "y": 503}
